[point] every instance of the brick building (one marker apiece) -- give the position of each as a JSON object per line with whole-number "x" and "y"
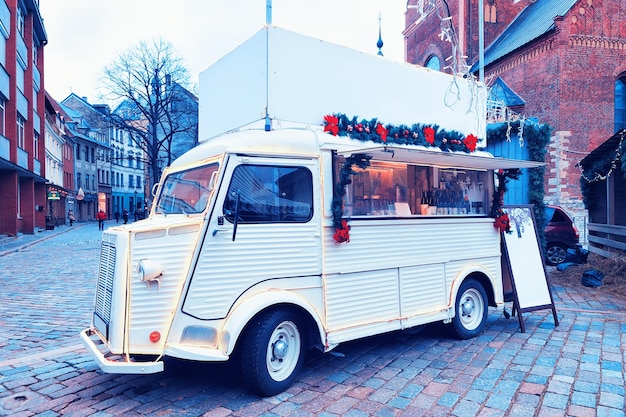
{"x": 22, "y": 118}
{"x": 565, "y": 60}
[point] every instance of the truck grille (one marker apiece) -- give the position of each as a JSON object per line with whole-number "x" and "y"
{"x": 104, "y": 291}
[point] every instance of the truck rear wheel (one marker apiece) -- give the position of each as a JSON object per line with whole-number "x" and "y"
{"x": 471, "y": 309}
{"x": 272, "y": 352}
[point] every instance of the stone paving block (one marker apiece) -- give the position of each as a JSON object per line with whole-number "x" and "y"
{"x": 466, "y": 408}
{"x": 559, "y": 387}
{"x": 499, "y": 401}
{"x": 522, "y": 410}
{"x": 448, "y": 399}
{"x": 374, "y": 383}
{"x": 18, "y": 381}
{"x": 339, "y": 377}
{"x": 584, "y": 399}
{"x": 613, "y": 388}
{"x": 411, "y": 390}
{"x": 609, "y": 412}
{"x": 369, "y": 407}
{"x": 612, "y": 400}
{"x": 399, "y": 402}
{"x": 396, "y": 383}
{"x": 557, "y": 401}
{"x": 579, "y": 411}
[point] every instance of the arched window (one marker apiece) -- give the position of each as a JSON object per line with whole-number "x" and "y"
{"x": 433, "y": 62}
{"x": 490, "y": 13}
{"x": 620, "y": 103}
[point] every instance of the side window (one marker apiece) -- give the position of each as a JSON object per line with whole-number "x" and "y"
{"x": 270, "y": 194}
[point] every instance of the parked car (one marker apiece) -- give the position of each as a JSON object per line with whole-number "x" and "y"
{"x": 560, "y": 233}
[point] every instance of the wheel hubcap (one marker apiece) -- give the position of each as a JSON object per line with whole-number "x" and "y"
{"x": 283, "y": 351}
{"x": 468, "y": 307}
{"x": 471, "y": 309}
{"x": 279, "y": 351}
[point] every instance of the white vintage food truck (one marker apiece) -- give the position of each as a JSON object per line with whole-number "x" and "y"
{"x": 301, "y": 228}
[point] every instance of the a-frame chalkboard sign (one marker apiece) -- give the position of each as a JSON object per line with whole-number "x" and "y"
{"x": 523, "y": 265}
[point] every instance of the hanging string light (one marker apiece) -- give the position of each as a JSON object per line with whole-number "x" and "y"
{"x": 593, "y": 173}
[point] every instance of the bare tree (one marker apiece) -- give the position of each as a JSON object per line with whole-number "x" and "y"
{"x": 150, "y": 83}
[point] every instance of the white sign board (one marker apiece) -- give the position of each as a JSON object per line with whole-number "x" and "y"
{"x": 525, "y": 263}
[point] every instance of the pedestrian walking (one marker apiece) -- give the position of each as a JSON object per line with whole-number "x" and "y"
{"x": 70, "y": 217}
{"x": 125, "y": 216}
{"x": 117, "y": 216}
{"x": 101, "y": 217}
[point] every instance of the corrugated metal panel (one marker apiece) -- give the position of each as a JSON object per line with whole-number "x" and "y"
{"x": 423, "y": 289}
{"x": 362, "y": 298}
{"x": 379, "y": 243}
{"x": 226, "y": 269}
{"x": 534, "y": 21}
{"x": 104, "y": 289}
{"x": 152, "y": 305}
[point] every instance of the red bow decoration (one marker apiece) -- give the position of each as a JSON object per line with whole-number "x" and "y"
{"x": 342, "y": 234}
{"x": 429, "y": 132}
{"x": 380, "y": 129}
{"x": 332, "y": 123}
{"x": 470, "y": 141}
{"x": 503, "y": 223}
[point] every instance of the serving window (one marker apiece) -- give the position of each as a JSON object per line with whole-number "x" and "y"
{"x": 400, "y": 189}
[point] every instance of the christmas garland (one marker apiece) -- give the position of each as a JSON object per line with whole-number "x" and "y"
{"x": 536, "y": 140}
{"x": 342, "y": 230}
{"x": 417, "y": 134}
{"x": 502, "y": 222}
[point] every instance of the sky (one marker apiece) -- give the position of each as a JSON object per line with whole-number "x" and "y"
{"x": 86, "y": 35}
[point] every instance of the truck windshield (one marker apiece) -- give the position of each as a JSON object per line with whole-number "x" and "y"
{"x": 187, "y": 192}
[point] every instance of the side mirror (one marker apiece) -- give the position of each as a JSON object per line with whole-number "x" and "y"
{"x": 155, "y": 187}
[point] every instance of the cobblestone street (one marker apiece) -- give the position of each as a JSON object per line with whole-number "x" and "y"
{"x": 575, "y": 369}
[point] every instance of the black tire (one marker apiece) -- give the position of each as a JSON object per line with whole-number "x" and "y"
{"x": 272, "y": 353}
{"x": 555, "y": 253}
{"x": 471, "y": 309}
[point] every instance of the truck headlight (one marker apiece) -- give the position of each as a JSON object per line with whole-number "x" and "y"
{"x": 149, "y": 270}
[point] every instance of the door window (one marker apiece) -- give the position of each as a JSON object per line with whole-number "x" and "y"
{"x": 270, "y": 194}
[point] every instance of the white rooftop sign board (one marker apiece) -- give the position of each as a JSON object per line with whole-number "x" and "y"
{"x": 295, "y": 78}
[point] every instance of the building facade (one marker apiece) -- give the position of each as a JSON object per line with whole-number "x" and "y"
{"x": 55, "y": 144}
{"x": 111, "y": 173}
{"x": 22, "y": 120}
{"x": 92, "y": 158}
{"x": 128, "y": 175}
{"x": 565, "y": 61}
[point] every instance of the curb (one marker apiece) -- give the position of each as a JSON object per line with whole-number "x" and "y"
{"x": 33, "y": 241}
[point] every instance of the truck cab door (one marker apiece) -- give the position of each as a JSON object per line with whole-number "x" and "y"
{"x": 265, "y": 227}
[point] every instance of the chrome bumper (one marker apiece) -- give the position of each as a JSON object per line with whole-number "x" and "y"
{"x": 115, "y": 364}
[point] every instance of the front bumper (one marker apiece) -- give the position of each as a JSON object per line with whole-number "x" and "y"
{"x": 115, "y": 364}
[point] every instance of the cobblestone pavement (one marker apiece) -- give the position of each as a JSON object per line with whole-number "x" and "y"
{"x": 47, "y": 280}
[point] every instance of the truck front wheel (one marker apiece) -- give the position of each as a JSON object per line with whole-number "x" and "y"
{"x": 471, "y": 309}
{"x": 272, "y": 352}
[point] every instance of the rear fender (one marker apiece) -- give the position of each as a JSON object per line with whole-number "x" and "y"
{"x": 483, "y": 276}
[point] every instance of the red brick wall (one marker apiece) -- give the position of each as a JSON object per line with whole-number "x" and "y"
{"x": 567, "y": 78}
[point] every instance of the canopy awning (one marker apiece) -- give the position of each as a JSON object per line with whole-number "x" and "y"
{"x": 438, "y": 158}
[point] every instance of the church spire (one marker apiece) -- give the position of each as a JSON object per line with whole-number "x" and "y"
{"x": 379, "y": 44}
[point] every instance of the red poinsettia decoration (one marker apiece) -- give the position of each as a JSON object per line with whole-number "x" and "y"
{"x": 502, "y": 223}
{"x": 382, "y": 132}
{"x": 343, "y": 234}
{"x": 429, "y": 133}
{"x": 332, "y": 124}
{"x": 470, "y": 141}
